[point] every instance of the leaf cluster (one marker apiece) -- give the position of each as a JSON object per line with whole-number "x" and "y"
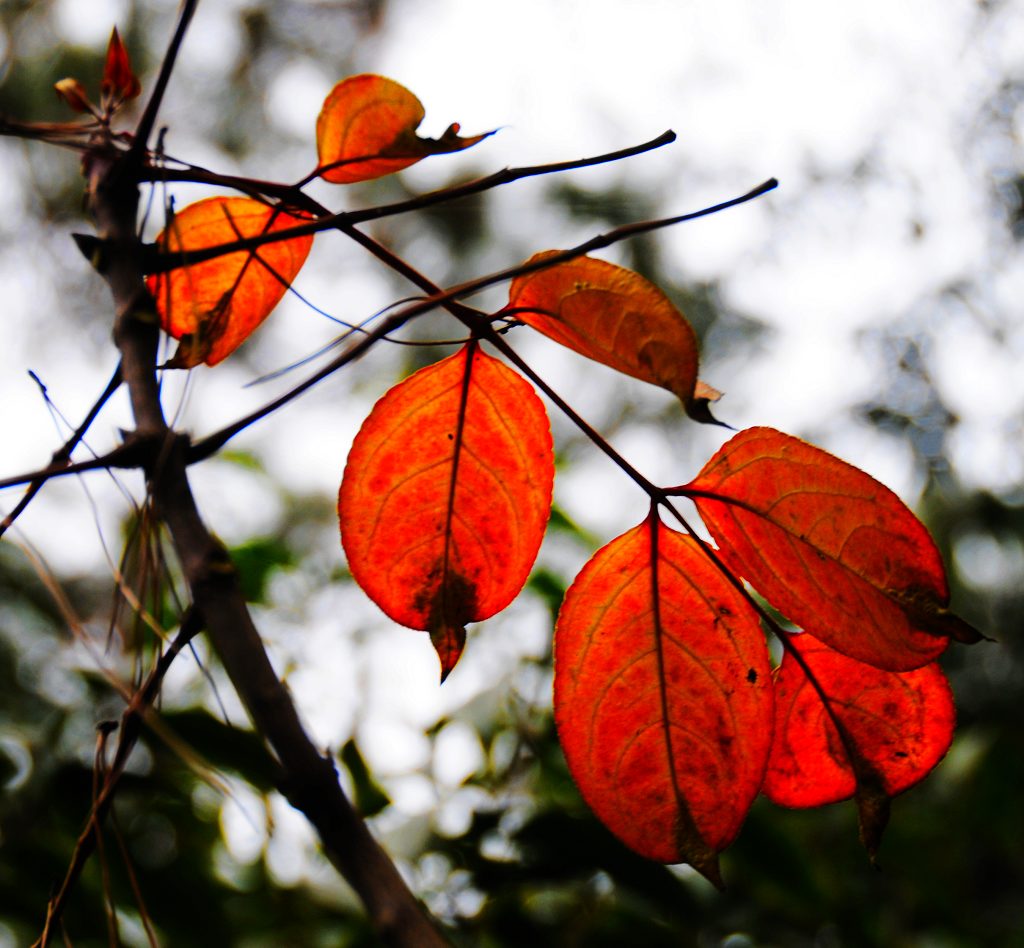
{"x": 670, "y": 711}
{"x": 448, "y": 488}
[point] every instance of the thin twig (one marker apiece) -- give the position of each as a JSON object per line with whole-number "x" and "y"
{"x": 147, "y": 121}
{"x": 209, "y": 445}
{"x": 109, "y": 906}
{"x": 133, "y": 881}
{"x": 131, "y": 454}
{"x": 71, "y": 135}
{"x": 62, "y": 456}
{"x": 131, "y": 726}
{"x": 158, "y": 262}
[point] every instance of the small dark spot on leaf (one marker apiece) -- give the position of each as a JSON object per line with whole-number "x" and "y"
{"x": 751, "y": 675}
{"x": 901, "y": 754}
{"x": 451, "y": 437}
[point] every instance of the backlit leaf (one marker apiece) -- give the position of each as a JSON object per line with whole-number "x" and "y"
{"x": 367, "y": 129}
{"x": 446, "y": 495}
{"x": 212, "y": 307}
{"x": 663, "y": 697}
{"x": 830, "y": 547}
{"x": 119, "y": 81}
{"x": 614, "y": 316}
{"x": 898, "y": 726}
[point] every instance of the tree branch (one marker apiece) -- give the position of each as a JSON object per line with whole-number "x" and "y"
{"x": 128, "y": 455}
{"x": 309, "y": 781}
{"x": 144, "y": 129}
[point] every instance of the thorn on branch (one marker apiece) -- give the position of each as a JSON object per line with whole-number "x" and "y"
{"x": 93, "y": 249}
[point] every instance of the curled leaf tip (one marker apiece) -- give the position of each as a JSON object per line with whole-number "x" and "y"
{"x": 193, "y": 349}
{"x": 711, "y": 870}
{"x": 698, "y": 854}
{"x": 454, "y": 604}
{"x": 699, "y": 406}
{"x": 450, "y": 140}
{"x": 938, "y": 620}
{"x": 873, "y": 808}
{"x": 448, "y": 640}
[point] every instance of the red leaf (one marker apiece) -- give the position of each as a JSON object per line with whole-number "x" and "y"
{"x": 214, "y": 306}
{"x": 663, "y": 697}
{"x": 830, "y": 547}
{"x": 119, "y": 82}
{"x": 898, "y": 726}
{"x": 900, "y": 722}
{"x": 446, "y": 495}
{"x": 367, "y": 129}
{"x": 616, "y": 317}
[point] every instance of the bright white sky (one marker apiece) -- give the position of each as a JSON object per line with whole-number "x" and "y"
{"x": 867, "y": 113}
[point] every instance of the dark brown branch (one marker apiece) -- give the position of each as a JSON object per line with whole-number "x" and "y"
{"x": 157, "y": 262}
{"x": 72, "y": 135}
{"x": 601, "y": 241}
{"x": 148, "y": 119}
{"x": 130, "y": 454}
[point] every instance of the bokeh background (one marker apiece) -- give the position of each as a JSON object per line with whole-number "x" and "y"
{"x": 870, "y": 304}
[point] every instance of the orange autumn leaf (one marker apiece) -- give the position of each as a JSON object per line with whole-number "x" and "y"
{"x": 663, "y": 697}
{"x": 214, "y": 306}
{"x": 898, "y": 726}
{"x": 900, "y": 722}
{"x": 830, "y": 547}
{"x": 616, "y": 317}
{"x": 446, "y": 496}
{"x": 367, "y": 129}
